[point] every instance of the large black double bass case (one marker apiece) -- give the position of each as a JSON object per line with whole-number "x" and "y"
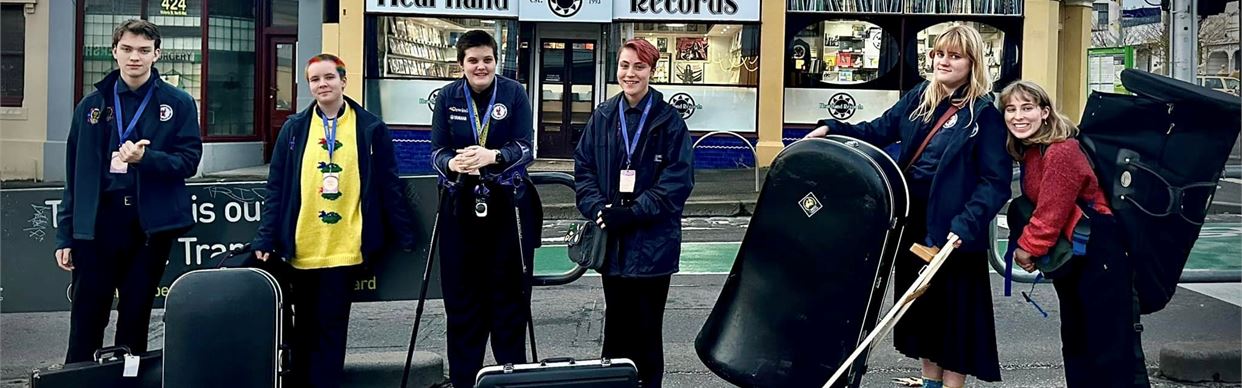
{"x": 1158, "y": 155}
{"x": 809, "y": 280}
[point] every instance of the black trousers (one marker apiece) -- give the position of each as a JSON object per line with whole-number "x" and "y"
{"x": 123, "y": 260}
{"x": 634, "y": 323}
{"x": 321, "y": 303}
{"x": 1100, "y": 329}
{"x": 486, "y": 292}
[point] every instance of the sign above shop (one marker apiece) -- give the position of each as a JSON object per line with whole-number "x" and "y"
{"x": 686, "y": 10}
{"x": 591, "y": 11}
{"x": 483, "y": 8}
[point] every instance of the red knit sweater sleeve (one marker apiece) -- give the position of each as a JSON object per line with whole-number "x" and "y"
{"x": 1063, "y": 174}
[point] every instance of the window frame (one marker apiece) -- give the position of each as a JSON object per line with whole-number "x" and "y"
{"x": 17, "y": 100}
{"x": 205, "y": 64}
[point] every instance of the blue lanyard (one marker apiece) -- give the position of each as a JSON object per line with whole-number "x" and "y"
{"x": 480, "y": 129}
{"x": 133, "y": 121}
{"x": 329, "y": 135}
{"x": 630, "y": 146}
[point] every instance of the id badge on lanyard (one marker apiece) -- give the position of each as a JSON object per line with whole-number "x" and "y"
{"x": 628, "y": 175}
{"x": 116, "y": 165}
{"x": 331, "y": 180}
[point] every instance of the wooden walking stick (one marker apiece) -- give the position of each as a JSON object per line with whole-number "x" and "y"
{"x": 916, "y": 290}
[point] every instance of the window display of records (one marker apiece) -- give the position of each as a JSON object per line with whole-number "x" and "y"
{"x": 417, "y": 50}
{"x": 414, "y": 50}
{"x": 397, "y": 66}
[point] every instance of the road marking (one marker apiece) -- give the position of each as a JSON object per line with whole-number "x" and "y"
{"x": 1226, "y": 292}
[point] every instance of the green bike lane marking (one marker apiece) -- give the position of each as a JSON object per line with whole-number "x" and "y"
{"x": 696, "y": 257}
{"x": 1219, "y": 247}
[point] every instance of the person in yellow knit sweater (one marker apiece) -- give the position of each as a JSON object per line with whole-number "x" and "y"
{"x": 333, "y": 198}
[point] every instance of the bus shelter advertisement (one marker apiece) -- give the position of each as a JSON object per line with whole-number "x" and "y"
{"x": 227, "y": 214}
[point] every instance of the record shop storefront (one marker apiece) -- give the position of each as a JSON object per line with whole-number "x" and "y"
{"x": 564, "y": 53}
{"x": 852, "y": 63}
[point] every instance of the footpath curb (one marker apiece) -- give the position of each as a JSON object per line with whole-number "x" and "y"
{"x": 1202, "y": 361}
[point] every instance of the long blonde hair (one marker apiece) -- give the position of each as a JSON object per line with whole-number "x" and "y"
{"x": 1054, "y": 129}
{"x": 966, "y": 40}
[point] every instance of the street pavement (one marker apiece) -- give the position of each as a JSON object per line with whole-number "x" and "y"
{"x": 568, "y": 320}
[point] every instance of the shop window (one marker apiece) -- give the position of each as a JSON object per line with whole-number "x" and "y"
{"x": 907, "y": 6}
{"x": 417, "y": 56}
{"x": 1101, "y": 17}
{"x": 181, "y": 31}
{"x": 993, "y": 46}
{"x": 284, "y": 13}
{"x": 12, "y": 54}
{"x": 695, "y": 54}
{"x": 424, "y": 48}
{"x": 231, "y": 69}
{"x": 100, "y": 17}
{"x": 841, "y": 52}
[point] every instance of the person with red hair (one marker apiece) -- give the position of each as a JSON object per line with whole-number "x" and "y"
{"x": 633, "y": 171}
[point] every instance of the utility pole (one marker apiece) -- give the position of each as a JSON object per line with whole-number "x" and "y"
{"x": 1121, "y": 24}
{"x": 1183, "y": 39}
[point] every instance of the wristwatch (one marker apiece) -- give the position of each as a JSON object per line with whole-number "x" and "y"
{"x": 500, "y": 157}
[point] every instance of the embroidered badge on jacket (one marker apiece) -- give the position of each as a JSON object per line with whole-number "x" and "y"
{"x": 500, "y": 111}
{"x": 166, "y": 112}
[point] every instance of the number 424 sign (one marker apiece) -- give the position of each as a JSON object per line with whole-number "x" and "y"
{"x": 173, "y": 7}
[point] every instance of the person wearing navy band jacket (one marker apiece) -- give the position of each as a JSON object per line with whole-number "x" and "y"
{"x": 133, "y": 142}
{"x": 481, "y": 144}
{"x": 633, "y": 171}
{"x": 952, "y": 142}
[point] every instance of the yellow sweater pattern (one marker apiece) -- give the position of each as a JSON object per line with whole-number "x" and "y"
{"x": 329, "y": 227}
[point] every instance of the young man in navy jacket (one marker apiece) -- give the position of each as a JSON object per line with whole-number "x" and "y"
{"x": 490, "y": 216}
{"x": 132, "y": 144}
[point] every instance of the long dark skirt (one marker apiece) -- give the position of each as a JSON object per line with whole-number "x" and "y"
{"x": 952, "y": 323}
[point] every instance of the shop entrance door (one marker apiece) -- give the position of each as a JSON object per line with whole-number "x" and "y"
{"x": 566, "y": 96}
{"x": 280, "y": 86}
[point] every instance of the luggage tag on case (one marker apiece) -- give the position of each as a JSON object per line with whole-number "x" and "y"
{"x": 117, "y": 166}
{"x": 131, "y": 365}
{"x": 627, "y": 180}
{"x": 332, "y": 183}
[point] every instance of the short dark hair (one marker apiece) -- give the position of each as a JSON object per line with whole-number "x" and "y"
{"x": 137, "y": 27}
{"x": 472, "y": 39}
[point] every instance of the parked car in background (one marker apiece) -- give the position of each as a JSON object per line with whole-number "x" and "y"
{"x": 1219, "y": 82}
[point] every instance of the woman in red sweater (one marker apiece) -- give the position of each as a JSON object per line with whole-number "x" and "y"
{"x": 1099, "y": 312}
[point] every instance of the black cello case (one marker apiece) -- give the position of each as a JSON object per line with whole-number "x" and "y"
{"x": 223, "y": 328}
{"x": 807, "y": 285}
{"x": 1158, "y": 155}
